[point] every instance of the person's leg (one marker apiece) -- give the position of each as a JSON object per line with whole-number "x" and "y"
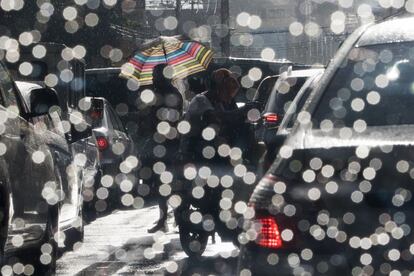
{"x": 161, "y": 224}
{"x": 163, "y": 210}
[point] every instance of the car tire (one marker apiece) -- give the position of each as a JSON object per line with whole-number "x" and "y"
{"x": 74, "y": 235}
{"x": 89, "y": 213}
{"x": 48, "y": 249}
{"x": 193, "y": 242}
{"x": 4, "y": 222}
{"x": 114, "y": 198}
{"x": 243, "y": 261}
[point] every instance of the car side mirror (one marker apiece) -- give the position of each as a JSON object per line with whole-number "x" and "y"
{"x": 42, "y": 100}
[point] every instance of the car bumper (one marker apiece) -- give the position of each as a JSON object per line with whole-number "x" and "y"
{"x": 257, "y": 261}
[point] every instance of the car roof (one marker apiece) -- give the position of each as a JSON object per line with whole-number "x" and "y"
{"x": 390, "y": 31}
{"x": 110, "y": 70}
{"x": 301, "y": 73}
{"x": 96, "y": 98}
{"x": 249, "y": 60}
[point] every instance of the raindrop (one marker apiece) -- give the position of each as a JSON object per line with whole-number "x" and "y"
{"x": 268, "y": 54}
{"x": 243, "y": 19}
{"x": 38, "y": 157}
{"x": 91, "y": 19}
{"x": 70, "y": 13}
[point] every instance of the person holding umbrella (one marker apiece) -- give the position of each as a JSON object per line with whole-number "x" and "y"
{"x": 184, "y": 58}
{"x": 162, "y": 146}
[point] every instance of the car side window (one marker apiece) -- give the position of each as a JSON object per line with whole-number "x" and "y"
{"x": 53, "y": 122}
{"x": 283, "y": 93}
{"x": 117, "y": 125}
{"x": 369, "y": 90}
{"x": 264, "y": 89}
{"x": 300, "y": 102}
{"x": 7, "y": 88}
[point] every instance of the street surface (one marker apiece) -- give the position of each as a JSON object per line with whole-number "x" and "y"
{"x": 118, "y": 244}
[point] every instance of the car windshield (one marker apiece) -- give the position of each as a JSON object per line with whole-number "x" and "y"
{"x": 373, "y": 85}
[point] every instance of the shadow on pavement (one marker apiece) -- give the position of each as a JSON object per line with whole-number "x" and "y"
{"x": 132, "y": 259}
{"x": 207, "y": 266}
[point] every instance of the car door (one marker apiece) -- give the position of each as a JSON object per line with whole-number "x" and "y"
{"x": 29, "y": 169}
{"x": 69, "y": 171}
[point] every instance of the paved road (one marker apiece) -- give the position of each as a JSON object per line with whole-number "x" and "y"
{"x": 119, "y": 244}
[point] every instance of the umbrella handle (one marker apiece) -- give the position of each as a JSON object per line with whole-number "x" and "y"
{"x": 165, "y": 53}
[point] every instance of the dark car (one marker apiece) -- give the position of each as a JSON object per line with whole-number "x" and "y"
{"x": 116, "y": 159}
{"x": 30, "y": 189}
{"x": 284, "y": 91}
{"x": 338, "y": 197}
{"x": 252, "y": 72}
{"x": 281, "y": 110}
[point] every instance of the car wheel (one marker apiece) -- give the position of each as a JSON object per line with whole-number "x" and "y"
{"x": 48, "y": 254}
{"x": 89, "y": 212}
{"x": 243, "y": 261}
{"x": 193, "y": 242}
{"x": 75, "y": 234}
{"x": 4, "y": 222}
{"x": 114, "y": 198}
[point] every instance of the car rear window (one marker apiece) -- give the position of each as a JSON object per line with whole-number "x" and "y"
{"x": 107, "y": 85}
{"x": 95, "y": 114}
{"x": 373, "y": 87}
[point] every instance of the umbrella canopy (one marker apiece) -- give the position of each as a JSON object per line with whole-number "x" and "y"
{"x": 186, "y": 57}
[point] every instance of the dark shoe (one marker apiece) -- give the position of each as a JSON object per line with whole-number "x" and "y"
{"x": 158, "y": 227}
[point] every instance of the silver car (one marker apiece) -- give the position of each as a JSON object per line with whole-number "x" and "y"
{"x": 116, "y": 160}
{"x": 72, "y": 170}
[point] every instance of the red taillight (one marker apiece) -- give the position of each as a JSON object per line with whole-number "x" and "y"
{"x": 269, "y": 233}
{"x": 96, "y": 114}
{"x": 102, "y": 143}
{"x": 271, "y": 118}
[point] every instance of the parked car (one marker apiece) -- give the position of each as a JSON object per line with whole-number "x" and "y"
{"x": 284, "y": 91}
{"x": 251, "y": 72}
{"x": 30, "y": 188}
{"x": 281, "y": 110}
{"x": 106, "y": 83}
{"x": 70, "y": 171}
{"x": 117, "y": 156}
{"x": 338, "y": 196}
{"x": 81, "y": 141}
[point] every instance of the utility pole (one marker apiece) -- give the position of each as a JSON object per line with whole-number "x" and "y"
{"x": 178, "y": 15}
{"x": 225, "y": 20}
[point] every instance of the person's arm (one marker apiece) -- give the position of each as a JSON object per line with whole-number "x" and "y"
{"x": 234, "y": 116}
{"x": 186, "y": 149}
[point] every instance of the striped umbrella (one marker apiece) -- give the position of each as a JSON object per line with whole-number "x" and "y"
{"x": 186, "y": 57}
